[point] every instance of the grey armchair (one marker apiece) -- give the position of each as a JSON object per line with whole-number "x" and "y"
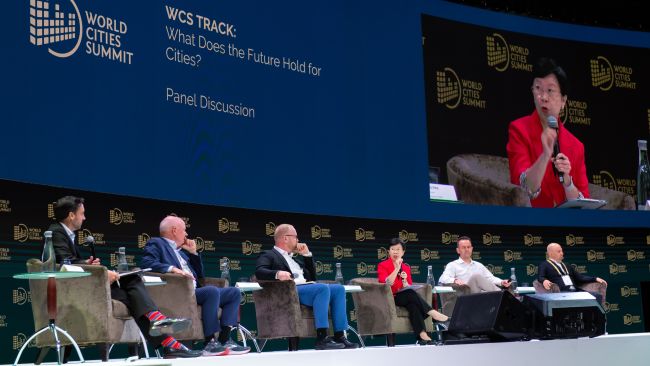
{"x": 280, "y": 315}
{"x": 377, "y": 312}
{"x": 85, "y": 310}
{"x": 590, "y": 287}
{"x": 177, "y": 299}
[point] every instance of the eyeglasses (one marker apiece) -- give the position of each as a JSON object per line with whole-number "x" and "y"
{"x": 291, "y": 235}
{"x": 538, "y": 90}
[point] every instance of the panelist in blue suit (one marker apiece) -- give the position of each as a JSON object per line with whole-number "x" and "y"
{"x": 173, "y": 252}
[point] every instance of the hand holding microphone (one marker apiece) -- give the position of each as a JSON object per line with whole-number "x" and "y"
{"x": 90, "y": 242}
{"x": 552, "y": 123}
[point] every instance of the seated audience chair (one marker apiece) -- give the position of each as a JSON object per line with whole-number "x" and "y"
{"x": 377, "y": 313}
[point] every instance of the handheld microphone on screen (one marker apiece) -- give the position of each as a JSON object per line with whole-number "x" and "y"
{"x": 552, "y": 123}
{"x": 90, "y": 241}
{"x": 405, "y": 282}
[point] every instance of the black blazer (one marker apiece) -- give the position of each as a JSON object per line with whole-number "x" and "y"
{"x": 63, "y": 246}
{"x": 547, "y": 272}
{"x": 270, "y": 262}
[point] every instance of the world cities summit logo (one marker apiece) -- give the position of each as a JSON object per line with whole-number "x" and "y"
{"x": 59, "y": 26}
{"x": 453, "y": 91}
{"x": 503, "y": 56}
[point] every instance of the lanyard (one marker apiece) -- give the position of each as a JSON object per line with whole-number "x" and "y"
{"x": 559, "y": 270}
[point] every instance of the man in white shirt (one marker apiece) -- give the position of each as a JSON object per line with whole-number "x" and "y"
{"x": 465, "y": 271}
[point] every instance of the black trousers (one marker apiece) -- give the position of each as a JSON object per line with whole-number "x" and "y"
{"x": 417, "y": 308}
{"x": 132, "y": 293}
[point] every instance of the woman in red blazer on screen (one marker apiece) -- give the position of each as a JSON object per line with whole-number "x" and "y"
{"x": 397, "y": 274}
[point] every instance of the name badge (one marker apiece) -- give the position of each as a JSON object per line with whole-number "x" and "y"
{"x": 567, "y": 280}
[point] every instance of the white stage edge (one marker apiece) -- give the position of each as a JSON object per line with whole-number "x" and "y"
{"x": 609, "y": 350}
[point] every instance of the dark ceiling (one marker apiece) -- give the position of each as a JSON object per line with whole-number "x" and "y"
{"x": 618, "y": 14}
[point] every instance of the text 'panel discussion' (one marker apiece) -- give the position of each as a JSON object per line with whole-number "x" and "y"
{"x": 384, "y": 182}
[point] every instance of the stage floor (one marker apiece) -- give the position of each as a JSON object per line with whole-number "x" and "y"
{"x": 609, "y": 350}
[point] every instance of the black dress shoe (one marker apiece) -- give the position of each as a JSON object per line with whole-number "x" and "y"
{"x": 183, "y": 352}
{"x": 169, "y": 326}
{"x": 344, "y": 341}
{"x": 328, "y": 343}
{"x": 422, "y": 342}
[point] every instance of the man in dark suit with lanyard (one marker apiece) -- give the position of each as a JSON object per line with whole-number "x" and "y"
{"x": 553, "y": 270}
{"x": 70, "y": 213}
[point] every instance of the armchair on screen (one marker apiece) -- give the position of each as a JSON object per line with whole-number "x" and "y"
{"x": 590, "y": 287}
{"x": 85, "y": 310}
{"x": 280, "y": 315}
{"x": 377, "y": 313}
{"x": 485, "y": 180}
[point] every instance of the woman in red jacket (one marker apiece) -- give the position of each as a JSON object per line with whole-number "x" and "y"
{"x": 397, "y": 274}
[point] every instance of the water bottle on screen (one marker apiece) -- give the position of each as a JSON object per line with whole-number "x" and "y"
{"x": 430, "y": 279}
{"x": 122, "y": 265}
{"x": 513, "y": 279}
{"x": 339, "y": 275}
{"x": 48, "y": 258}
{"x": 225, "y": 270}
{"x": 643, "y": 176}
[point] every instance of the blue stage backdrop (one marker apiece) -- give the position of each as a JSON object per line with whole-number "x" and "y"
{"x": 315, "y": 108}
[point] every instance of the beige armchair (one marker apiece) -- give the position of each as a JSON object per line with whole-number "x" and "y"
{"x": 485, "y": 180}
{"x": 377, "y": 313}
{"x": 594, "y": 287}
{"x": 85, "y": 310}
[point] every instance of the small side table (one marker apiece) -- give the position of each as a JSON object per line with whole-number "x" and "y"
{"x": 245, "y": 287}
{"x": 436, "y": 290}
{"x": 51, "y": 278}
{"x": 348, "y": 290}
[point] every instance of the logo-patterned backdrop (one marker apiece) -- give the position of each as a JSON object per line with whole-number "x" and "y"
{"x": 618, "y": 255}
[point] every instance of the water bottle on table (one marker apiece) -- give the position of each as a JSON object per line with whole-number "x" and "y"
{"x": 339, "y": 275}
{"x": 225, "y": 270}
{"x": 48, "y": 258}
{"x": 122, "y": 265}
{"x": 513, "y": 279}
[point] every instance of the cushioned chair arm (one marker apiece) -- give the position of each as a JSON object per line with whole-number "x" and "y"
{"x": 596, "y": 287}
{"x": 425, "y": 291}
{"x": 214, "y": 281}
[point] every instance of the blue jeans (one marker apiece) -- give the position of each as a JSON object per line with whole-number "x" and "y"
{"x": 321, "y": 297}
{"x": 212, "y": 298}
